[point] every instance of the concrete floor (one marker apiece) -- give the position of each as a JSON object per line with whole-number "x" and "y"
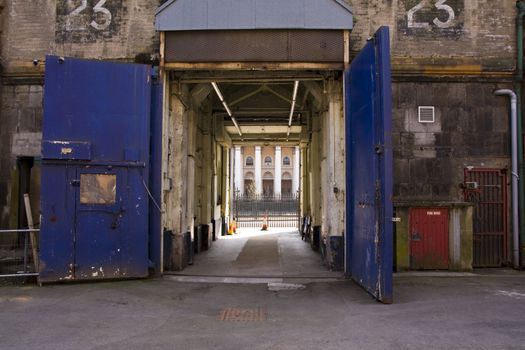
{"x": 483, "y": 310}
{"x": 252, "y": 253}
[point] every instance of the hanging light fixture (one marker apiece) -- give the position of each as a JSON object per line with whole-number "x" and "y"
{"x": 294, "y": 99}
{"x": 228, "y": 110}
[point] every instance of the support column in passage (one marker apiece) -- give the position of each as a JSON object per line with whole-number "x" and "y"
{"x": 277, "y": 177}
{"x": 296, "y": 170}
{"x": 258, "y": 170}
{"x": 239, "y": 181}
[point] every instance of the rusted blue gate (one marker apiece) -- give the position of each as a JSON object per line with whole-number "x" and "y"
{"x": 368, "y": 101}
{"x": 95, "y": 170}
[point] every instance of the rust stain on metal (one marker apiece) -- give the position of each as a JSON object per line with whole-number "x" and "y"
{"x": 254, "y": 66}
{"x": 243, "y": 315}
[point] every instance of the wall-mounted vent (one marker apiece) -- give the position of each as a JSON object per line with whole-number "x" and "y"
{"x": 427, "y": 114}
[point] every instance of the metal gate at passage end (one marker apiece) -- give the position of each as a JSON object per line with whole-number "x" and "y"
{"x": 251, "y": 210}
{"x": 369, "y": 228}
{"x": 96, "y": 158}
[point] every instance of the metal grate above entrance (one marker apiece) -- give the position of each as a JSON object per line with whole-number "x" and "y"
{"x": 322, "y": 46}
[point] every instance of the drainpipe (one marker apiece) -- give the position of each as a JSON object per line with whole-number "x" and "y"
{"x": 519, "y": 80}
{"x": 515, "y": 175}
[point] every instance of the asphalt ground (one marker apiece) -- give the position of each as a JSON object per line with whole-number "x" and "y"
{"x": 269, "y": 292}
{"x": 460, "y": 312}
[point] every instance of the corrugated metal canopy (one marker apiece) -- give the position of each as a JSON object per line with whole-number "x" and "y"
{"x": 180, "y": 15}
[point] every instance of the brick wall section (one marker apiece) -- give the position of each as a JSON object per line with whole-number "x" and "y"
{"x": 482, "y": 33}
{"x": 40, "y": 27}
{"x": 28, "y": 33}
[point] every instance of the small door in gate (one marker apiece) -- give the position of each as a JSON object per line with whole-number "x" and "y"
{"x": 102, "y": 221}
{"x": 369, "y": 228}
{"x": 95, "y": 169}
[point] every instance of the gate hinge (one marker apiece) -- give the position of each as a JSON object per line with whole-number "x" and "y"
{"x": 75, "y": 183}
{"x": 396, "y": 219}
{"x": 379, "y": 149}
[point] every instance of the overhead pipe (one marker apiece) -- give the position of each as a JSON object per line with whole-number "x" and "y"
{"x": 294, "y": 99}
{"x": 520, "y": 4}
{"x": 228, "y": 110}
{"x": 515, "y": 173}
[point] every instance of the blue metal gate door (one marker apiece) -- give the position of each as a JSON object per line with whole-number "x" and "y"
{"x": 369, "y": 238}
{"x": 101, "y": 219}
{"x": 95, "y": 150}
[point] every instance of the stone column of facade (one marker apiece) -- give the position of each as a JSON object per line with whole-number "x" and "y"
{"x": 239, "y": 181}
{"x": 258, "y": 170}
{"x": 296, "y": 170}
{"x": 277, "y": 177}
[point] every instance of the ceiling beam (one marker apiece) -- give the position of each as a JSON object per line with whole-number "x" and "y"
{"x": 199, "y": 93}
{"x": 246, "y": 96}
{"x": 316, "y": 91}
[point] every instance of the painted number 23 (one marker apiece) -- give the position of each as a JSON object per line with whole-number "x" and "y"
{"x": 98, "y": 9}
{"x": 440, "y": 5}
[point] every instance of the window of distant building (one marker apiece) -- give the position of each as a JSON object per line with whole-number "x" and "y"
{"x": 268, "y": 161}
{"x": 249, "y": 161}
{"x": 286, "y": 161}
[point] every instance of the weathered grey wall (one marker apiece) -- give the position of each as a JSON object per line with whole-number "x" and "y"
{"x": 471, "y": 129}
{"x": 4, "y": 212}
{"x": 117, "y": 30}
{"x": 452, "y": 64}
{"x": 472, "y": 36}
{"x": 452, "y": 57}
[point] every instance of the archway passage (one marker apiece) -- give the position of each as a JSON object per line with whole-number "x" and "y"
{"x": 288, "y": 79}
{"x": 345, "y": 188}
{"x": 244, "y": 81}
{"x": 246, "y": 135}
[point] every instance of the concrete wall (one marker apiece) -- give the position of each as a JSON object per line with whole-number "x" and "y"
{"x": 471, "y": 130}
{"x": 453, "y": 65}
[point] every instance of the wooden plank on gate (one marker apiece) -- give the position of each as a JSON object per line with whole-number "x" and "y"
{"x": 32, "y": 235}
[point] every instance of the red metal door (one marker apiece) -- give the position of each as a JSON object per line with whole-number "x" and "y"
{"x": 429, "y": 239}
{"x": 487, "y": 190}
